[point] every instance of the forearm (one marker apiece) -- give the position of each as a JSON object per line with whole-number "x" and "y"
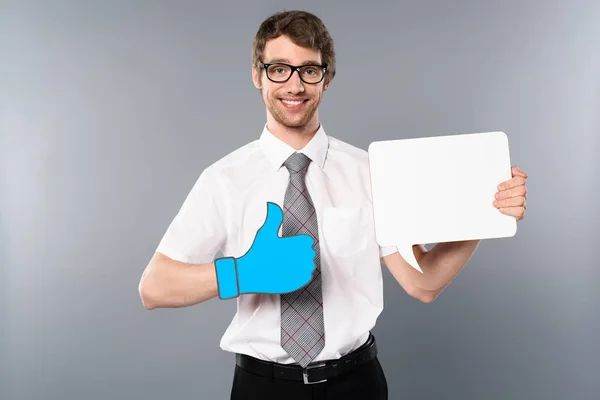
{"x": 442, "y": 263}
{"x": 171, "y": 284}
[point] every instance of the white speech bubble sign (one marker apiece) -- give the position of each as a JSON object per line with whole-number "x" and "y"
{"x": 439, "y": 189}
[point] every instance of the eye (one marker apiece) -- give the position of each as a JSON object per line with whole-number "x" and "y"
{"x": 279, "y": 70}
{"x": 311, "y": 71}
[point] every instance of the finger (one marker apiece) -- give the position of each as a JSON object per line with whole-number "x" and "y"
{"x": 511, "y": 202}
{"x": 514, "y": 192}
{"x": 511, "y": 183}
{"x": 516, "y": 171}
{"x": 523, "y": 174}
{"x": 304, "y": 240}
{"x": 517, "y": 212}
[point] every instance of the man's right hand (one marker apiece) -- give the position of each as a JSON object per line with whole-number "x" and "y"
{"x": 273, "y": 264}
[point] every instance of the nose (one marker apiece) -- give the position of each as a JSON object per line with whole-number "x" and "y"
{"x": 295, "y": 84}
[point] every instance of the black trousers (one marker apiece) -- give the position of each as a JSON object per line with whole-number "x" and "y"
{"x": 366, "y": 382}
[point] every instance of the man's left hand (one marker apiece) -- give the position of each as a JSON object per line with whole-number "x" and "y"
{"x": 511, "y": 198}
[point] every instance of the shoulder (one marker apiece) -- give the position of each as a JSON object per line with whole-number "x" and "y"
{"x": 348, "y": 170}
{"x": 345, "y": 147}
{"x": 232, "y": 168}
{"x": 240, "y": 158}
{"x": 347, "y": 152}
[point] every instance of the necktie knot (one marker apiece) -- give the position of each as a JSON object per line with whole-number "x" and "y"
{"x": 297, "y": 163}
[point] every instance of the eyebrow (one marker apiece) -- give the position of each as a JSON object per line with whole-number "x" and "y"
{"x": 286, "y": 61}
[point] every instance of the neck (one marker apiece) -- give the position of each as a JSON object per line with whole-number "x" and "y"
{"x": 297, "y": 138}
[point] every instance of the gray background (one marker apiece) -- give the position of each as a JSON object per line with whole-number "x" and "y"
{"x": 110, "y": 110}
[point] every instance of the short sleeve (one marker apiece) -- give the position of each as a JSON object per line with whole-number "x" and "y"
{"x": 198, "y": 231}
{"x": 386, "y": 251}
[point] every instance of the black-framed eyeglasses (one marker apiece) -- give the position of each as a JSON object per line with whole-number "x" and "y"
{"x": 280, "y": 72}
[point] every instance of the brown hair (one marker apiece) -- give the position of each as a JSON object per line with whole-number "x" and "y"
{"x": 304, "y": 29}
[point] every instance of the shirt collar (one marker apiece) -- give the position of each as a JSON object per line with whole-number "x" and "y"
{"x": 277, "y": 151}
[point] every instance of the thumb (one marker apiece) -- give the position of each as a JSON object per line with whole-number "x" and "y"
{"x": 272, "y": 222}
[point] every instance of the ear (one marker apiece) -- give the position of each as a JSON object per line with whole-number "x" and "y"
{"x": 256, "y": 78}
{"x": 326, "y": 85}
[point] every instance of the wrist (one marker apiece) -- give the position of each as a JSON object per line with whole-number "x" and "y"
{"x": 227, "y": 277}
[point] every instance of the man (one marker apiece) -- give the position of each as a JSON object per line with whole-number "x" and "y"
{"x": 316, "y": 340}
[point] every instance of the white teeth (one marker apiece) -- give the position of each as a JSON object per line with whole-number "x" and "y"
{"x": 293, "y": 103}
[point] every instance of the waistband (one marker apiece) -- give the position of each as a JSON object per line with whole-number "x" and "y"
{"x": 316, "y": 372}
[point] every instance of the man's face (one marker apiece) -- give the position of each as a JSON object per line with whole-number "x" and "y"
{"x": 281, "y": 99}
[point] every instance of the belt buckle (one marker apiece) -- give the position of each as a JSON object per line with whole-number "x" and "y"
{"x": 305, "y": 373}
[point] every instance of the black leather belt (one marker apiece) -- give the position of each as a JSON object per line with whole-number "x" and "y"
{"x": 315, "y": 372}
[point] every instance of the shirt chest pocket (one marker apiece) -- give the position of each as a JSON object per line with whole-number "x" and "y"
{"x": 346, "y": 230}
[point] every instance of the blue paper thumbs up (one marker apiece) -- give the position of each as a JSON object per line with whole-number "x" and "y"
{"x": 272, "y": 265}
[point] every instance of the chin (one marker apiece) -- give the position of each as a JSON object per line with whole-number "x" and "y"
{"x": 296, "y": 124}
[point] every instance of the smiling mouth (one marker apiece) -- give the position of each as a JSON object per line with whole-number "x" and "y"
{"x": 293, "y": 104}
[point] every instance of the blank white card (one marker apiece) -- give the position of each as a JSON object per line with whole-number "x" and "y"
{"x": 439, "y": 189}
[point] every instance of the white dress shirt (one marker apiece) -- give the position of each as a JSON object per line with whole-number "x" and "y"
{"x": 228, "y": 204}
